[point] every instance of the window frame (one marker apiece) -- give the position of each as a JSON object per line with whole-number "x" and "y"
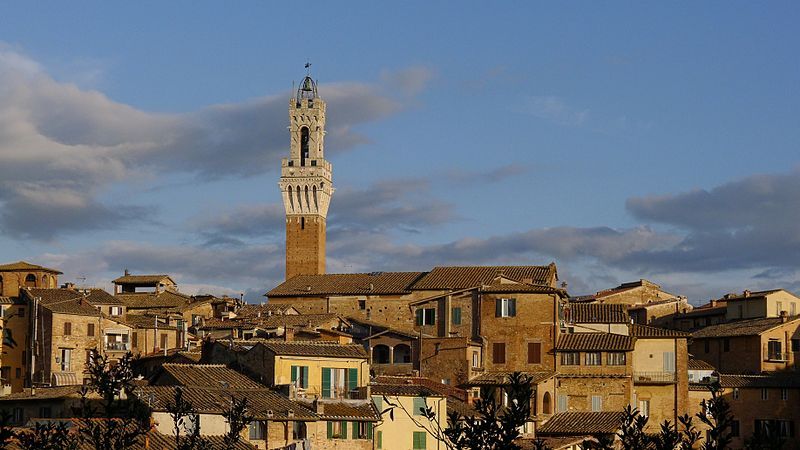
{"x": 594, "y": 358}
{"x": 616, "y": 358}
{"x": 495, "y": 358}
{"x": 570, "y": 358}
{"x": 505, "y": 307}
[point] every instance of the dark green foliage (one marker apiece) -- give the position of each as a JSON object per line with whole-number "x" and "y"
{"x": 186, "y": 424}
{"x": 238, "y": 418}
{"x": 765, "y": 439}
{"x": 668, "y": 437}
{"x": 600, "y": 442}
{"x": 631, "y": 433}
{"x": 689, "y": 434}
{"x": 47, "y": 436}
{"x": 716, "y": 414}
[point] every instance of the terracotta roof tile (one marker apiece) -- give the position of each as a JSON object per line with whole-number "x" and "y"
{"x": 44, "y": 393}
{"x": 699, "y": 364}
{"x": 315, "y": 348}
{"x": 645, "y": 331}
{"x": 22, "y": 265}
{"x": 500, "y": 378}
{"x": 346, "y": 284}
{"x": 444, "y": 389}
{"x": 406, "y": 390}
{"x": 214, "y": 376}
{"x": 598, "y": 313}
{"x": 142, "y": 321}
{"x": 62, "y": 301}
{"x": 362, "y": 410}
{"x": 215, "y": 401}
{"x": 101, "y": 297}
{"x": 759, "y": 381}
{"x": 299, "y": 320}
{"x": 253, "y": 311}
{"x": 582, "y": 423}
{"x": 142, "y": 279}
{"x": 145, "y": 300}
{"x": 594, "y": 342}
{"x": 751, "y": 327}
{"x": 464, "y": 277}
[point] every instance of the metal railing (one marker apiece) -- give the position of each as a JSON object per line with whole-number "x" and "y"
{"x": 655, "y": 377}
{"x": 118, "y": 346}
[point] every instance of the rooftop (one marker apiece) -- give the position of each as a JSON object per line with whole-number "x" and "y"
{"x": 699, "y": 364}
{"x": 22, "y": 265}
{"x": 143, "y": 280}
{"x": 464, "y": 277}
{"x": 500, "y": 378}
{"x": 440, "y": 388}
{"x": 594, "y": 342}
{"x": 646, "y": 331}
{"x": 146, "y": 300}
{"x": 374, "y": 283}
{"x": 582, "y": 423}
{"x": 209, "y": 376}
{"x": 750, "y": 327}
{"x": 598, "y": 313}
{"x": 328, "y": 349}
{"x": 62, "y": 301}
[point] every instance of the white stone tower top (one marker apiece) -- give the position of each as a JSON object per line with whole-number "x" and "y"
{"x": 306, "y": 176}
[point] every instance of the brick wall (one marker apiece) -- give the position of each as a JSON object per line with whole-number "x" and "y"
{"x": 305, "y": 245}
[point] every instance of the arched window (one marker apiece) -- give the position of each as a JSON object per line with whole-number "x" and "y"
{"x": 44, "y": 281}
{"x": 304, "y": 136}
{"x": 402, "y": 354}
{"x": 308, "y": 202}
{"x": 316, "y": 204}
{"x": 299, "y": 199}
{"x": 380, "y": 354}
{"x": 53, "y": 282}
{"x": 30, "y": 280}
{"x": 546, "y": 407}
{"x": 291, "y": 199}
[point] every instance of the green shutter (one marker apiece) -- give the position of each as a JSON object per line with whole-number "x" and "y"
{"x": 330, "y": 430}
{"x": 456, "y": 316}
{"x": 294, "y": 374}
{"x": 378, "y": 401}
{"x": 326, "y": 382}
{"x": 512, "y": 307}
{"x": 380, "y": 439}
{"x": 369, "y": 430}
{"x": 352, "y": 380}
{"x": 433, "y": 316}
{"x": 355, "y": 429}
{"x": 304, "y": 378}
{"x": 419, "y": 440}
{"x": 419, "y": 403}
{"x": 498, "y": 307}
{"x": 419, "y": 317}
{"x": 344, "y": 430}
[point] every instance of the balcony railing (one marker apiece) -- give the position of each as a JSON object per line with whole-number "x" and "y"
{"x": 777, "y": 356}
{"x": 654, "y": 377}
{"x": 118, "y": 346}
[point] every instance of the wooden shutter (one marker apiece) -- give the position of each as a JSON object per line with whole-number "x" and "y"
{"x": 534, "y": 353}
{"x": 419, "y": 316}
{"x": 344, "y": 429}
{"x": 90, "y": 329}
{"x": 352, "y": 380}
{"x": 330, "y": 430}
{"x": 369, "y": 430}
{"x": 512, "y": 307}
{"x": 67, "y": 328}
{"x": 294, "y": 374}
{"x": 419, "y": 404}
{"x": 355, "y": 430}
{"x": 380, "y": 439}
{"x": 456, "y": 316}
{"x": 326, "y": 382}
{"x": 498, "y": 307}
{"x": 499, "y": 353}
{"x": 433, "y": 317}
{"x": 304, "y": 377}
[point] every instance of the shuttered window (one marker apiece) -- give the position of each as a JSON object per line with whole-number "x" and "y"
{"x": 300, "y": 376}
{"x": 505, "y": 307}
{"x": 90, "y": 329}
{"x": 326, "y": 382}
{"x": 563, "y": 403}
{"x": 67, "y": 328}
{"x": 456, "y": 316}
{"x": 534, "y": 353}
{"x": 419, "y": 405}
{"x": 499, "y": 353}
{"x": 669, "y": 362}
{"x": 419, "y": 440}
{"x": 597, "y": 403}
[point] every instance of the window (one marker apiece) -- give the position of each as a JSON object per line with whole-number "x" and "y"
{"x": 362, "y": 430}
{"x": 163, "y": 341}
{"x": 793, "y": 309}
{"x": 116, "y": 310}
{"x": 380, "y": 354}
{"x": 90, "y": 329}
{"x": 419, "y": 440}
{"x": 299, "y": 430}
{"x": 45, "y": 412}
{"x": 597, "y": 403}
{"x": 784, "y": 394}
{"x": 456, "y": 316}
{"x": 546, "y": 408}
{"x": 67, "y": 328}
{"x": 726, "y": 344}
{"x": 18, "y": 373}
{"x": 774, "y": 350}
{"x": 796, "y": 345}
{"x": 476, "y": 359}
{"x": 19, "y": 415}
{"x": 338, "y": 383}
{"x": 257, "y": 430}
{"x": 785, "y": 428}
{"x": 644, "y": 408}
{"x": 300, "y": 376}
{"x": 706, "y": 346}
{"x": 736, "y": 393}
{"x": 337, "y": 430}
{"x": 379, "y": 438}
{"x": 30, "y": 281}
{"x": 505, "y": 307}
{"x": 735, "y": 428}
{"x": 563, "y": 403}
{"x": 402, "y": 354}
{"x": 616, "y": 359}
{"x": 499, "y": 353}
{"x": 66, "y": 359}
{"x": 8, "y": 337}
{"x": 362, "y": 304}
{"x": 534, "y": 353}
{"x": 419, "y": 406}
{"x": 304, "y": 153}
{"x": 571, "y": 359}
{"x": 134, "y": 339}
{"x": 426, "y": 316}
{"x": 779, "y": 307}
{"x": 5, "y": 373}
{"x": 669, "y": 362}
{"x": 764, "y": 394}
{"x": 594, "y": 359}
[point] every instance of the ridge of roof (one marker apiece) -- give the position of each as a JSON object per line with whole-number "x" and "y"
{"x": 747, "y": 327}
{"x": 23, "y": 265}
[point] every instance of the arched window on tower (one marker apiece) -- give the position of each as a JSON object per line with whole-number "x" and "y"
{"x": 291, "y": 198}
{"x": 308, "y": 202}
{"x": 316, "y": 204}
{"x": 30, "y": 280}
{"x": 299, "y": 199}
{"x": 304, "y": 137}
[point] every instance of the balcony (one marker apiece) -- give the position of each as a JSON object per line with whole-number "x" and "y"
{"x": 117, "y": 346}
{"x": 655, "y": 377}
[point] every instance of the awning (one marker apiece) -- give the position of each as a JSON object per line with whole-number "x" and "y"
{"x": 66, "y": 379}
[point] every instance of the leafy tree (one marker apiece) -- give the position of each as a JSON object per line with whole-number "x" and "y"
{"x": 599, "y": 442}
{"x": 47, "y": 436}
{"x": 716, "y": 414}
{"x": 689, "y": 434}
{"x": 668, "y": 437}
{"x": 121, "y": 422}
{"x": 540, "y": 444}
{"x": 238, "y": 418}
{"x": 185, "y": 419}
{"x": 6, "y": 430}
{"x": 631, "y": 433}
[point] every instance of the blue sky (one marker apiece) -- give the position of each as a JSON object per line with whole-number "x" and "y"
{"x": 623, "y": 141}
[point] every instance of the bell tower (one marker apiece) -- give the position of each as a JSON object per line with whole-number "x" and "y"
{"x": 306, "y": 183}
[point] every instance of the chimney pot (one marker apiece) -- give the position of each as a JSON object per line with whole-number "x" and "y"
{"x": 784, "y": 316}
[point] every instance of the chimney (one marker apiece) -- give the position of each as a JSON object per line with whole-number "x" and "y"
{"x": 746, "y": 293}
{"x": 127, "y": 273}
{"x": 319, "y": 407}
{"x": 288, "y": 334}
{"x": 33, "y": 391}
{"x": 784, "y": 317}
{"x": 713, "y": 303}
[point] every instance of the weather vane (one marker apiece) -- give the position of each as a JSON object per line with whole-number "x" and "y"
{"x": 308, "y": 67}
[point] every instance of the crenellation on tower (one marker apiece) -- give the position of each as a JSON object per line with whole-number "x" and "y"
{"x": 305, "y": 183}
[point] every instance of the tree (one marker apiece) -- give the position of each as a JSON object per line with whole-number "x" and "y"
{"x": 631, "y": 433}
{"x": 47, "y": 436}
{"x": 121, "y": 422}
{"x": 599, "y": 442}
{"x": 238, "y": 418}
{"x": 668, "y": 437}
{"x": 185, "y": 419}
{"x": 540, "y": 444}
{"x": 688, "y": 432}
{"x": 6, "y": 430}
{"x": 716, "y": 414}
